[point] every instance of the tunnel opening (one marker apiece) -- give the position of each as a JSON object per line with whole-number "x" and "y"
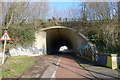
{"x": 59, "y": 36}
{"x": 54, "y": 45}
{"x": 55, "y": 38}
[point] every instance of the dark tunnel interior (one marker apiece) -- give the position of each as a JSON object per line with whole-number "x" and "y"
{"x": 54, "y": 42}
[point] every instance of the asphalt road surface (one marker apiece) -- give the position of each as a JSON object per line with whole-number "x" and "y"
{"x": 56, "y": 66}
{"x": 68, "y": 68}
{"x": 62, "y": 66}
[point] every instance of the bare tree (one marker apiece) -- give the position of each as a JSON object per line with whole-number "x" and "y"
{"x": 24, "y": 12}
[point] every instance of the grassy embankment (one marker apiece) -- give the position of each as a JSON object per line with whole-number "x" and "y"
{"x": 16, "y": 65}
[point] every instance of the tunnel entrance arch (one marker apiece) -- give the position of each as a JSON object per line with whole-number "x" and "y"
{"x": 58, "y": 36}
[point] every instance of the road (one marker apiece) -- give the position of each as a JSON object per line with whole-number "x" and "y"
{"x": 56, "y": 66}
{"x": 68, "y": 68}
{"x": 61, "y": 66}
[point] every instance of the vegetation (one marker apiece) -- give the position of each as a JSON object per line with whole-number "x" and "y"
{"x": 16, "y": 65}
{"x": 105, "y": 34}
{"x": 24, "y": 35}
{"x": 97, "y": 20}
{"x": 20, "y": 20}
{"x": 118, "y": 70}
{"x": 106, "y": 37}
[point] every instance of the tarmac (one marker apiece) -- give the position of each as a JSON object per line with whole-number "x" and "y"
{"x": 68, "y": 68}
{"x": 99, "y": 72}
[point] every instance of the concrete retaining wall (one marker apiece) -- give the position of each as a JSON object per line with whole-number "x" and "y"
{"x": 89, "y": 51}
{"x": 38, "y": 48}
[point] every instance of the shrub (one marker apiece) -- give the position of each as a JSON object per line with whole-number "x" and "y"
{"x": 24, "y": 35}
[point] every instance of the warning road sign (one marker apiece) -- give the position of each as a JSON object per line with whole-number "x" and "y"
{"x": 5, "y": 36}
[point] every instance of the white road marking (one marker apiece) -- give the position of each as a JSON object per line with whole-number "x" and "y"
{"x": 37, "y": 75}
{"x": 53, "y": 75}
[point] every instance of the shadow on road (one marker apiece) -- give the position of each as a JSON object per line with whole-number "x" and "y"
{"x": 97, "y": 70}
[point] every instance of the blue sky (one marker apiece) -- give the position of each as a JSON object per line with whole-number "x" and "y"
{"x": 60, "y": 6}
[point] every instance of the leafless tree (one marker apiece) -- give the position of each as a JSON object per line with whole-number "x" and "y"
{"x": 0, "y": 25}
{"x": 21, "y": 12}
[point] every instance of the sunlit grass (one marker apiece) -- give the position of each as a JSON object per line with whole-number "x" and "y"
{"x": 16, "y": 65}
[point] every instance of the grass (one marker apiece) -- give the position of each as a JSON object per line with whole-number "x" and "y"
{"x": 20, "y": 57}
{"x": 118, "y": 70}
{"x": 16, "y": 65}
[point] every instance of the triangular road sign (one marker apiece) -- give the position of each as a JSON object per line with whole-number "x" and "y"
{"x": 5, "y": 36}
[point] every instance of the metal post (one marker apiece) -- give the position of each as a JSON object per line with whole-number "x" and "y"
{"x": 3, "y": 56}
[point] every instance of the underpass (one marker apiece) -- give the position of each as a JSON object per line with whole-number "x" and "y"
{"x": 58, "y": 65}
{"x": 78, "y": 44}
{"x": 53, "y": 38}
{"x": 62, "y": 36}
{"x": 49, "y": 40}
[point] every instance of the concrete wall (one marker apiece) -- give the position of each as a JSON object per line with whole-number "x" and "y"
{"x": 40, "y": 43}
{"x": 84, "y": 48}
{"x": 38, "y": 48}
{"x": 75, "y": 41}
{"x": 108, "y": 60}
{"x": 87, "y": 50}
{"x": 78, "y": 40}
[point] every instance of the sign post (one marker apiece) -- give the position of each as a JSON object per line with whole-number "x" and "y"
{"x": 4, "y": 37}
{"x": 3, "y": 55}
